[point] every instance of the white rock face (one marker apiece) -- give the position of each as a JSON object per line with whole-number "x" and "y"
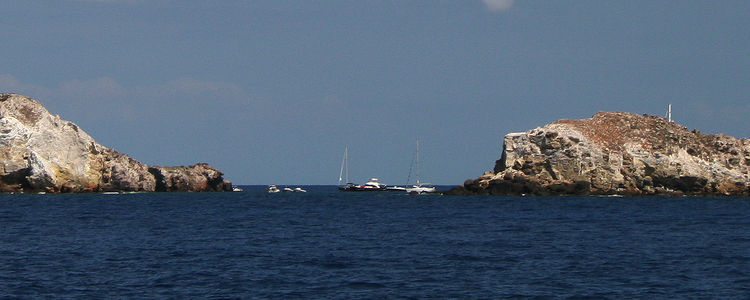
{"x": 618, "y": 153}
{"x": 43, "y": 153}
{"x": 43, "y": 149}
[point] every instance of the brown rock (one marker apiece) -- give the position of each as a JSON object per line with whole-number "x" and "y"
{"x": 618, "y": 153}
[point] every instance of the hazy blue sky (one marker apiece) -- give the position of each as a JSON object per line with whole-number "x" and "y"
{"x": 272, "y": 91}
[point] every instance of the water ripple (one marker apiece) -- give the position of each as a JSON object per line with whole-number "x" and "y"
{"x": 327, "y": 244}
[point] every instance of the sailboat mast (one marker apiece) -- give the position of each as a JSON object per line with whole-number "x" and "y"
{"x": 344, "y": 164}
{"x": 346, "y": 154}
{"x": 416, "y": 163}
{"x": 411, "y": 167}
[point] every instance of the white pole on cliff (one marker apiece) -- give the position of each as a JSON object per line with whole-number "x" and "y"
{"x": 669, "y": 113}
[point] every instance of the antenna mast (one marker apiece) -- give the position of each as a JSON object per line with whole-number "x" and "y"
{"x": 669, "y": 113}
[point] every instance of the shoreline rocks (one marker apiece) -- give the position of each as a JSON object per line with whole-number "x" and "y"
{"x": 43, "y": 153}
{"x": 616, "y": 153}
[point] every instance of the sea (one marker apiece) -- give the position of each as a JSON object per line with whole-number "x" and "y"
{"x": 326, "y": 244}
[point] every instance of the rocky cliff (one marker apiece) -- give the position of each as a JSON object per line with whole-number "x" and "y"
{"x": 43, "y": 153}
{"x": 617, "y": 153}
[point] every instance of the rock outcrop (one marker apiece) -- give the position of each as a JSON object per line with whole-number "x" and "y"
{"x": 43, "y": 153}
{"x": 617, "y": 153}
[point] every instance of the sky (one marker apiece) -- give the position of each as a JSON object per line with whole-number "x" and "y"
{"x": 272, "y": 92}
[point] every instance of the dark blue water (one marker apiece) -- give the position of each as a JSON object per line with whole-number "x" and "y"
{"x": 329, "y": 244}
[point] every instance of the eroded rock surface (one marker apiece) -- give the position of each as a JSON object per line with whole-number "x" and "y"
{"x": 40, "y": 152}
{"x": 617, "y": 153}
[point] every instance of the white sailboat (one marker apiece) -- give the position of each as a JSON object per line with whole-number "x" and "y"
{"x": 419, "y": 187}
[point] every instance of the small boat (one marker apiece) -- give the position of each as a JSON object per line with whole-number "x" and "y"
{"x": 373, "y": 185}
{"x": 273, "y": 189}
{"x": 419, "y": 188}
{"x": 236, "y": 189}
{"x": 348, "y": 187}
{"x": 395, "y": 188}
{"x": 288, "y": 189}
{"x": 299, "y": 190}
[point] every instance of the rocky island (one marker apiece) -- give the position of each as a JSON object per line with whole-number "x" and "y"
{"x": 42, "y": 153}
{"x": 617, "y": 153}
